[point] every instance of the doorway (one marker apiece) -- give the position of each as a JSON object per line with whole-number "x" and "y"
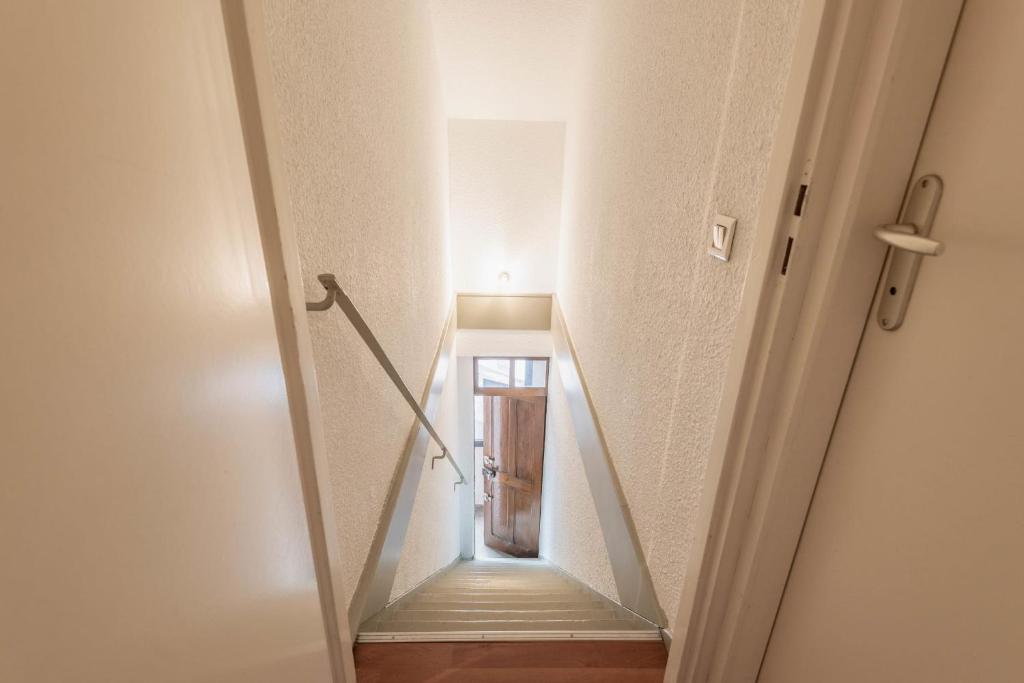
{"x": 510, "y": 410}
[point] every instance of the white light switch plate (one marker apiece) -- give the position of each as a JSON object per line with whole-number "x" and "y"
{"x": 723, "y": 229}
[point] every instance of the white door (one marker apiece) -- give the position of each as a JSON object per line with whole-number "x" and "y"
{"x": 152, "y": 526}
{"x": 911, "y": 564}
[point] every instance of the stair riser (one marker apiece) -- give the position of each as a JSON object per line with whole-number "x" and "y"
{"x": 500, "y": 592}
{"x": 527, "y": 600}
{"x": 466, "y": 626}
{"x": 504, "y": 583}
{"x": 497, "y": 615}
{"x": 511, "y": 605}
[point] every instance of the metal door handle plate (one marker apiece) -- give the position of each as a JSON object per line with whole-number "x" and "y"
{"x": 908, "y": 242}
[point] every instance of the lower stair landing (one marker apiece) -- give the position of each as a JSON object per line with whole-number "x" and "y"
{"x": 504, "y": 600}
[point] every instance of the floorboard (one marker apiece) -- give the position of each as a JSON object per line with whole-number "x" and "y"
{"x": 535, "y": 662}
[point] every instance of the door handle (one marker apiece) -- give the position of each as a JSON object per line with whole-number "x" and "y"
{"x": 904, "y": 236}
{"x": 909, "y": 243}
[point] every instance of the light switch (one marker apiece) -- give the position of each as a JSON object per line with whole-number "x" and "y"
{"x": 723, "y": 229}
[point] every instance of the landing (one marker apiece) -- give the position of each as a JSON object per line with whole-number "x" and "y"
{"x": 505, "y": 600}
{"x": 480, "y": 549}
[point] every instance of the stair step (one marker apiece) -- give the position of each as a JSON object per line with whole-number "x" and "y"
{"x": 435, "y": 589}
{"x": 483, "y": 582}
{"x": 418, "y": 606}
{"x": 502, "y": 596}
{"x": 504, "y": 600}
{"x": 575, "y": 625}
{"x": 498, "y": 615}
{"x": 498, "y": 589}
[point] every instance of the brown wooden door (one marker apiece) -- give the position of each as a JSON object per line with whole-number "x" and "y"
{"x": 513, "y": 463}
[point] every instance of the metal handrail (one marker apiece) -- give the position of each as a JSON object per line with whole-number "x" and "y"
{"x": 335, "y": 294}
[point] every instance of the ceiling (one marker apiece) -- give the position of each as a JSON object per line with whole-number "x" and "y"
{"x": 506, "y": 204}
{"x": 505, "y": 59}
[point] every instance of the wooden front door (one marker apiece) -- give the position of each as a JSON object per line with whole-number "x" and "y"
{"x": 513, "y": 463}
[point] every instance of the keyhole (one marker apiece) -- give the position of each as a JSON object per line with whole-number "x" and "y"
{"x": 892, "y": 290}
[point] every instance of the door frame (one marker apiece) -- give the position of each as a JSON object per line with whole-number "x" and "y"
{"x": 861, "y": 85}
{"x": 511, "y": 390}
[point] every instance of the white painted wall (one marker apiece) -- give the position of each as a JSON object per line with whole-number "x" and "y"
{"x": 433, "y": 539}
{"x": 506, "y": 197}
{"x": 365, "y": 140}
{"x": 668, "y": 132}
{"x": 151, "y": 517}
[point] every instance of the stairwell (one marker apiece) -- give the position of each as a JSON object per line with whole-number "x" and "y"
{"x": 498, "y": 600}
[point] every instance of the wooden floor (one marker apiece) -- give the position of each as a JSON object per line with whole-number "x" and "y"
{"x": 532, "y": 662}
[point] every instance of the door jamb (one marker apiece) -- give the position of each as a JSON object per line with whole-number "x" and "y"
{"x": 861, "y": 84}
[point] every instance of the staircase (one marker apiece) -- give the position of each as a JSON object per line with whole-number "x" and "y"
{"x": 504, "y": 600}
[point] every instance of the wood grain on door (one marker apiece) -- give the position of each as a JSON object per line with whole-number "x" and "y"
{"x": 513, "y": 466}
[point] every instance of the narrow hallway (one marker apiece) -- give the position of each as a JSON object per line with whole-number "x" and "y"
{"x": 484, "y": 340}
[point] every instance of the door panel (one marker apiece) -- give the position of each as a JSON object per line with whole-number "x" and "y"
{"x": 152, "y": 524}
{"x": 911, "y": 562}
{"x": 513, "y": 463}
{"x": 529, "y": 454}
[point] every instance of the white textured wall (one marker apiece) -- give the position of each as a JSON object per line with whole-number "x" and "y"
{"x": 676, "y": 118}
{"x": 570, "y": 534}
{"x": 509, "y": 60}
{"x": 364, "y": 135}
{"x": 432, "y": 541}
{"x": 506, "y": 203}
